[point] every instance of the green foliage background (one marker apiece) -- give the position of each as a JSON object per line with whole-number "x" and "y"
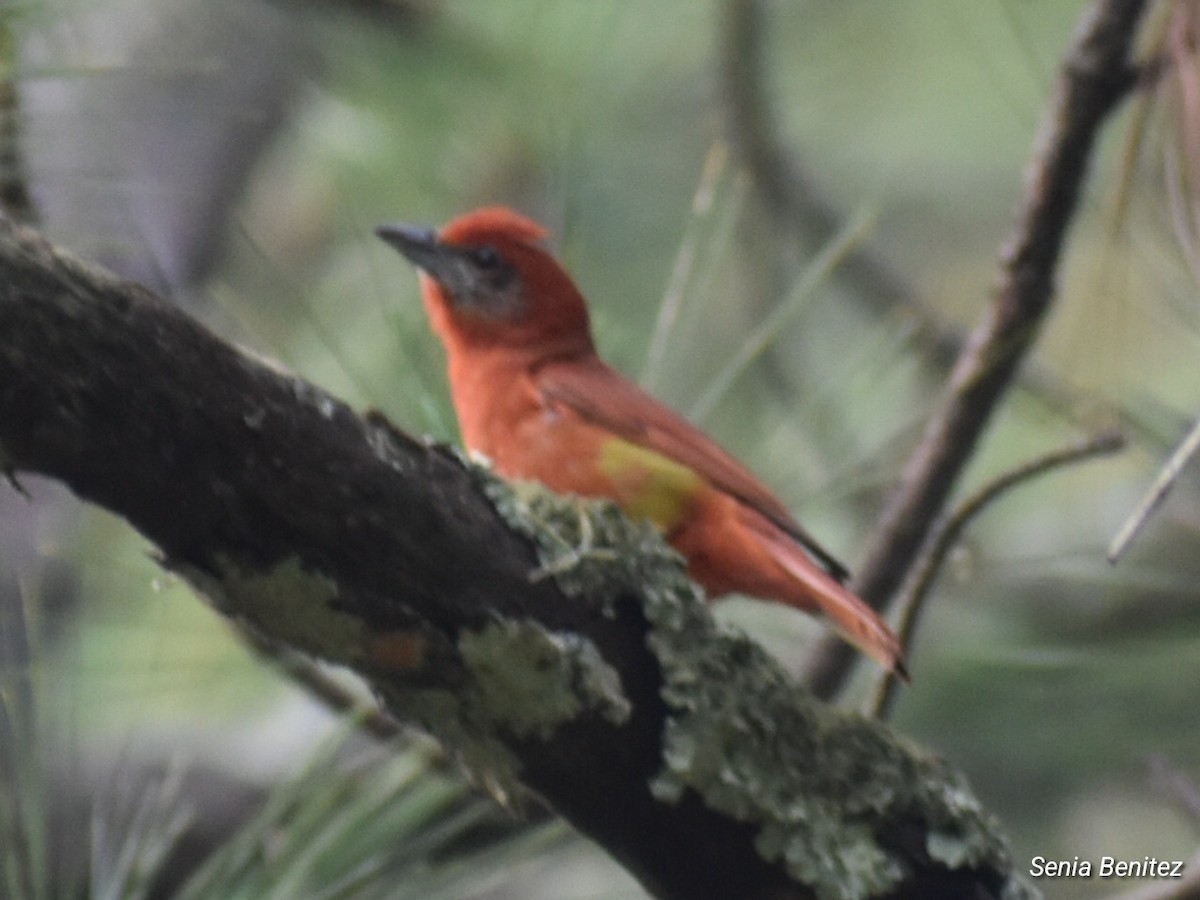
{"x": 1052, "y": 679}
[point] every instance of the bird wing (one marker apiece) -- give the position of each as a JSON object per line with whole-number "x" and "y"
{"x": 602, "y": 396}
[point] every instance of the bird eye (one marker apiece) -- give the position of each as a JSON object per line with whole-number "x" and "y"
{"x": 486, "y": 258}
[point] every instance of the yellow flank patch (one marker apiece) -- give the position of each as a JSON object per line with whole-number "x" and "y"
{"x": 648, "y": 485}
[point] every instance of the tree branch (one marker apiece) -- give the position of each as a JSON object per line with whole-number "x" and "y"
{"x": 1096, "y": 75}
{"x": 606, "y": 688}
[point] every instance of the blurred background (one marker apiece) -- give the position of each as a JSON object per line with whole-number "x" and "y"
{"x": 785, "y": 216}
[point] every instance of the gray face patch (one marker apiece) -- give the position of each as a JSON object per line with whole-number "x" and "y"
{"x": 477, "y": 279}
{"x": 481, "y": 281}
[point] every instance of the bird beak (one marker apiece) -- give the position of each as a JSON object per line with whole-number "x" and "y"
{"x": 444, "y": 263}
{"x": 417, "y": 243}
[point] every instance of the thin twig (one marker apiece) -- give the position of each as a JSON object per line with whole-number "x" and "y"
{"x": 1157, "y": 493}
{"x": 716, "y": 170}
{"x": 1096, "y": 74}
{"x": 945, "y": 534}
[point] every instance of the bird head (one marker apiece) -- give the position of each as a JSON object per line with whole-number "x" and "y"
{"x": 487, "y": 281}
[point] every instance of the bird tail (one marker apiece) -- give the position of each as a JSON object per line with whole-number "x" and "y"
{"x": 850, "y": 615}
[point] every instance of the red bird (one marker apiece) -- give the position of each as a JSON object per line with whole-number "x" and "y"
{"x": 533, "y": 396}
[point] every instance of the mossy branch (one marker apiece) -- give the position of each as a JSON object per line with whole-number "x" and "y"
{"x": 551, "y": 644}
